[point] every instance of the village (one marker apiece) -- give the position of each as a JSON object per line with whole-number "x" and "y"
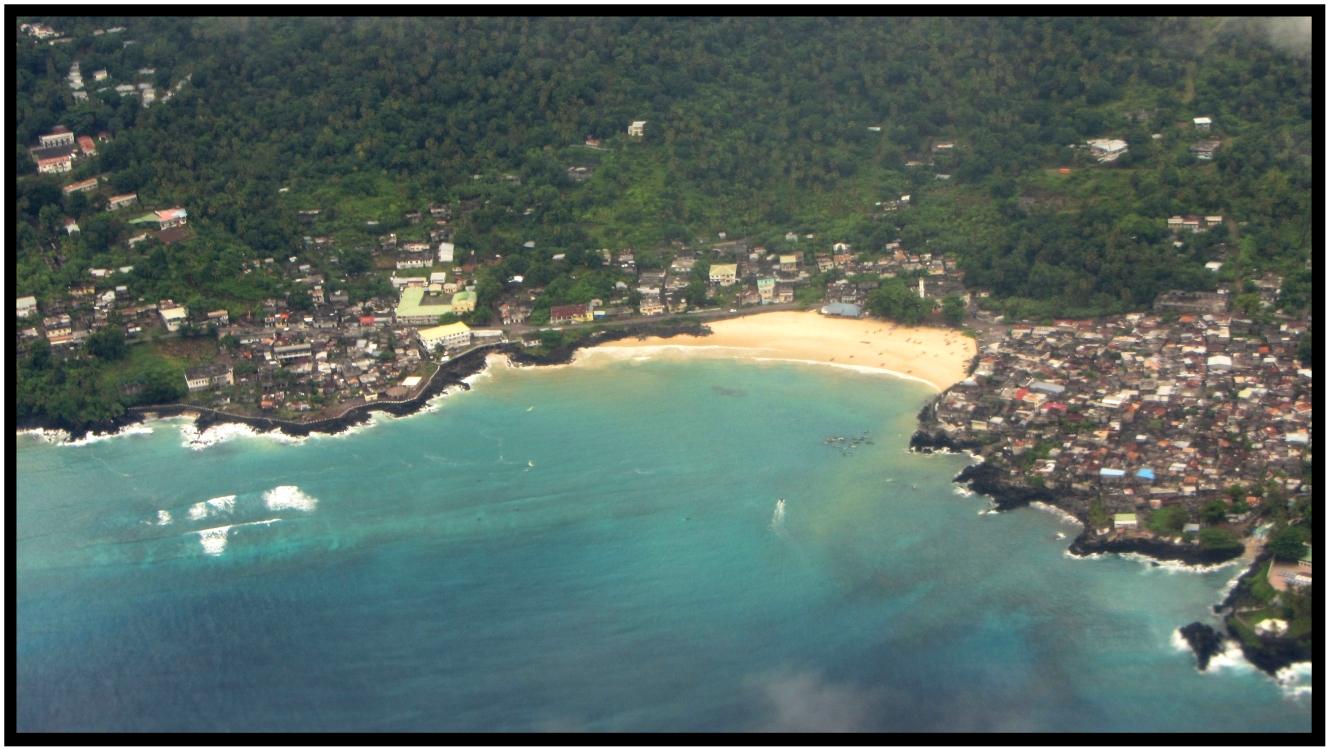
{"x": 315, "y": 354}
{"x": 1139, "y": 412}
{"x": 1129, "y": 416}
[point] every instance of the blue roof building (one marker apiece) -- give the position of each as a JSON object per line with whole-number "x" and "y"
{"x": 1047, "y": 387}
{"x": 1145, "y": 473}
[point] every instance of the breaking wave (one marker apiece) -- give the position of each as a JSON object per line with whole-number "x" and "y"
{"x": 48, "y": 435}
{"x": 288, "y": 497}
{"x": 1176, "y": 566}
{"x": 1059, "y": 512}
{"x": 215, "y": 539}
{"x": 137, "y": 429}
{"x": 1291, "y": 679}
{"x": 210, "y": 507}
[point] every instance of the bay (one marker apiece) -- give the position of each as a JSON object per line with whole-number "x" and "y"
{"x": 591, "y": 548}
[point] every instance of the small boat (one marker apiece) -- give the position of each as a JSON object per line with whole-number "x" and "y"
{"x": 531, "y": 462}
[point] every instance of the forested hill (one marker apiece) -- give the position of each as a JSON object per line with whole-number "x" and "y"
{"x": 756, "y": 126}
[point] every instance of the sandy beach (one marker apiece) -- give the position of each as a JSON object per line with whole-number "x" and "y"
{"x": 938, "y": 357}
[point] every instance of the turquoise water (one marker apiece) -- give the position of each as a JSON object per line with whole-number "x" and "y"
{"x": 590, "y": 548}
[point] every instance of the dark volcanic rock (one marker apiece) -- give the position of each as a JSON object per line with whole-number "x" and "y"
{"x": 1271, "y": 654}
{"x": 1191, "y": 554}
{"x": 989, "y": 480}
{"x": 565, "y": 353}
{"x": 1204, "y": 640}
{"x": 926, "y": 441}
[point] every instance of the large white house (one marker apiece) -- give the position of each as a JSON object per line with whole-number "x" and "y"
{"x": 174, "y": 316}
{"x": 446, "y": 336}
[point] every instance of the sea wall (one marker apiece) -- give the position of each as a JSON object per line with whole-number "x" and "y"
{"x": 450, "y": 374}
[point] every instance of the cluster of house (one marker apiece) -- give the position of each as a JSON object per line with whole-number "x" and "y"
{"x": 43, "y": 32}
{"x": 1194, "y": 223}
{"x": 337, "y": 353}
{"x": 1107, "y": 150}
{"x": 754, "y": 276}
{"x": 145, "y": 89}
{"x": 57, "y": 150}
{"x": 38, "y": 31}
{"x": 1140, "y": 412}
{"x": 302, "y": 361}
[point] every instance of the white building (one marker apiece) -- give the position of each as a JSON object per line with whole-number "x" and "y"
{"x": 637, "y": 128}
{"x": 446, "y": 252}
{"x": 1106, "y": 150}
{"x": 1219, "y": 363}
{"x": 27, "y": 306}
{"x": 57, "y": 165}
{"x": 58, "y": 136}
{"x": 724, "y": 274}
{"x": 173, "y": 316}
{"x": 1203, "y": 124}
{"x": 447, "y": 336}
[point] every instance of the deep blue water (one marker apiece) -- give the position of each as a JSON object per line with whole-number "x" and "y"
{"x": 591, "y": 548}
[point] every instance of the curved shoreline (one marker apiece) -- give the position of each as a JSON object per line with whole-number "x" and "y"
{"x": 451, "y": 373}
{"x": 1270, "y": 655}
{"x": 980, "y": 477}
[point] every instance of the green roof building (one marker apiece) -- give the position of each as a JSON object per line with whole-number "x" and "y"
{"x": 416, "y": 308}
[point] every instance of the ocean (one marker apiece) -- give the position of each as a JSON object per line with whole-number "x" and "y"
{"x": 646, "y": 543}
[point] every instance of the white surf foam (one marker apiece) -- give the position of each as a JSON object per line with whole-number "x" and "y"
{"x": 1291, "y": 679}
{"x": 217, "y": 434}
{"x": 48, "y": 435}
{"x": 1177, "y": 640}
{"x": 1175, "y": 566}
{"x": 963, "y": 490}
{"x": 1230, "y": 658}
{"x": 211, "y": 507}
{"x": 137, "y": 429}
{"x": 435, "y": 402}
{"x": 215, "y": 539}
{"x": 1059, "y": 512}
{"x": 1074, "y": 556}
{"x": 163, "y": 518}
{"x": 283, "y": 497}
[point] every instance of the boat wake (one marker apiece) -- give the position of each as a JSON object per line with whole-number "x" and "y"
{"x": 779, "y": 512}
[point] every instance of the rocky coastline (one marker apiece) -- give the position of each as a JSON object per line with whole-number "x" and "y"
{"x": 451, "y": 373}
{"x": 1204, "y": 640}
{"x": 1186, "y": 553}
{"x": 1269, "y": 654}
{"x": 565, "y": 353}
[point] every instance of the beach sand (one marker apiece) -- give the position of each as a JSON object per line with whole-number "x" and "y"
{"x": 936, "y": 356}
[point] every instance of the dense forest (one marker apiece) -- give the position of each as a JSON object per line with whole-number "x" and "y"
{"x": 756, "y": 126}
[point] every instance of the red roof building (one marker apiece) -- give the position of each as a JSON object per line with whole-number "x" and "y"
{"x": 89, "y": 147}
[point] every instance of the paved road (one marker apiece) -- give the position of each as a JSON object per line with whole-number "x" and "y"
{"x": 706, "y": 315}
